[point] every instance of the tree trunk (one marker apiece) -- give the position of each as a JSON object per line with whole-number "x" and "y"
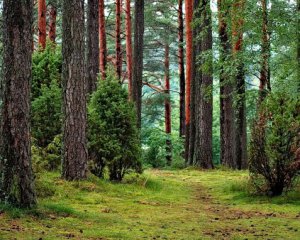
{"x": 74, "y": 91}
{"x": 42, "y": 10}
{"x": 241, "y": 127}
{"x": 52, "y": 21}
{"x": 17, "y": 177}
{"x": 137, "y": 78}
{"x": 118, "y": 39}
{"x": 298, "y": 43}
{"x": 227, "y": 154}
{"x": 265, "y": 84}
{"x": 92, "y": 62}
{"x": 168, "y": 106}
{"x": 102, "y": 39}
{"x": 204, "y": 104}
{"x": 181, "y": 70}
{"x": 189, "y": 71}
{"x": 129, "y": 48}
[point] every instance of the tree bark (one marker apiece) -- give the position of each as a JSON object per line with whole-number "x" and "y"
{"x": 168, "y": 105}
{"x": 129, "y": 48}
{"x": 42, "y": 10}
{"x": 102, "y": 40}
{"x": 204, "y": 104}
{"x": 239, "y": 78}
{"x": 189, "y": 71}
{"x": 118, "y": 39}
{"x": 92, "y": 62}
{"x": 74, "y": 92}
{"x": 137, "y": 78}
{"x": 17, "y": 185}
{"x": 298, "y": 43}
{"x": 181, "y": 69}
{"x": 227, "y": 133}
{"x": 52, "y": 21}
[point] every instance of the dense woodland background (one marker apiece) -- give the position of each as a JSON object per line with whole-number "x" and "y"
{"x": 111, "y": 88}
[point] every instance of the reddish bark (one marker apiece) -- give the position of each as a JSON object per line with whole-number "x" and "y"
{"x": 102, "y": 39}
{"x": 189, "y": 69}
{"x": 52, "y": 23}
{"x": 118, "y": 38}
{"x": 181, "y": 69}
{"x": 42, "y": 23}
{"x": 168, "y": 105}
{"x": 129, "y": 48}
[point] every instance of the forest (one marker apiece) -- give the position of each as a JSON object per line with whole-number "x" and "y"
{"x": 150, "y": 119}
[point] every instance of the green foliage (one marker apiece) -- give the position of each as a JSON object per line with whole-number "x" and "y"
{"x": 275, "y": 139}
{"x": 113, "y": 135}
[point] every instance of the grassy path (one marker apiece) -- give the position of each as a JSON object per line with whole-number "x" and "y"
{"x": 160, "y": 205}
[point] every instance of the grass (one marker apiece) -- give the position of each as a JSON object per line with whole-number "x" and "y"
{"x": 184, "y": 204}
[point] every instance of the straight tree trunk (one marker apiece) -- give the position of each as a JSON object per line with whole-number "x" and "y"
{"x": 298, "y": 43}
{"x": 92, "y": 62}
{"x": 17, "y": 185}
{"x": 168, "y": 105}
{"x": 102, "y": 40}
{"x": 52, "y": 21}
{"x": 227, "y": 133}
{"x": 42, "y": 10}
{"x": 118, "y": 39}
{"x": 75, "y": 155}
{"x": 189, "y": 71}
{"x": 237, "y": 45}
{"x": 137, "y": 78}
{"x": 181, "y": 69}
{"x": 204, "y": 105}
{"x": 129, "y": 48}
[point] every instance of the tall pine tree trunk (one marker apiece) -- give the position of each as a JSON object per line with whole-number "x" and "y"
{"x": 102, "y": 39}
{"x": 204, "y": 104}
{"x": 92, "y": 62}
{"x": 74, "y": 91}
{"x": 129, "y": 48}
{"x": 118, "y": 39}
{"x": 168, "y": 105}
{"x": 189, "y": 71}
{"x": 227, "y": 133}
{"x": 42, "y": 10}
{"x": 17, "y": 177}
{"x": 137, "y": 78}
{"x": 239, "y": 78}
{"x": 181, "y": 69}
{"x": 52, "y": 21}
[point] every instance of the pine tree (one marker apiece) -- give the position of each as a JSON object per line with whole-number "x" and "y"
{"x": 102, "y": 39}
{"x": 42, "y": 10}
{"x": 52, "y": 20}
{"x": 129, "y": 48}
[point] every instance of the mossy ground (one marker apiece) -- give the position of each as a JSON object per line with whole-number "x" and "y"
{"x": 185, "y": 204}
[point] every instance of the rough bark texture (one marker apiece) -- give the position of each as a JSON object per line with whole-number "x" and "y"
{"x": 189, "y": 71}
{"x": 239, "y": 78}
{"x": 17, "y": 177}
{"x": 181, "y": 69}
{"x": 227, "y": 133}
{"x": 203, "y": 107}
{"x": 298, "y": 44}
{"x": 137, "y": 78}
{"x": 265, "y": 84}
{"x": 168, "y": 105}
{"x": 74, "y": 91}
{"x": 129, "y": 48}
{"x": 102, "y": 39}
{"x": 42, "y": 10}
{"x": 118, "y": 39}
{"x": 92, "y": 61}
{"x": 52, "y": 21}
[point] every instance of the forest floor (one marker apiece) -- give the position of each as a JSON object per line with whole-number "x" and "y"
{"x": 185, "y": 204}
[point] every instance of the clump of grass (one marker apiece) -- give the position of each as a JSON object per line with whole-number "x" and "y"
{"x": 59, "y": 209}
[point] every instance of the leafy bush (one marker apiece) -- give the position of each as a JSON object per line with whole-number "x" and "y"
{"x": 113, "y": 135}
{"x": 274, "y": 163}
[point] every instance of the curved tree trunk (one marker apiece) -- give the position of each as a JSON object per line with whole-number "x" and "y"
{"x": 129, "y": 48}
{"x": 42, "y": 10}
{"x": 74, "y": 92}
{"x": 17, "y": 180}
{"x": 92, "y": 62}
{"x": 102, "y": 39}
